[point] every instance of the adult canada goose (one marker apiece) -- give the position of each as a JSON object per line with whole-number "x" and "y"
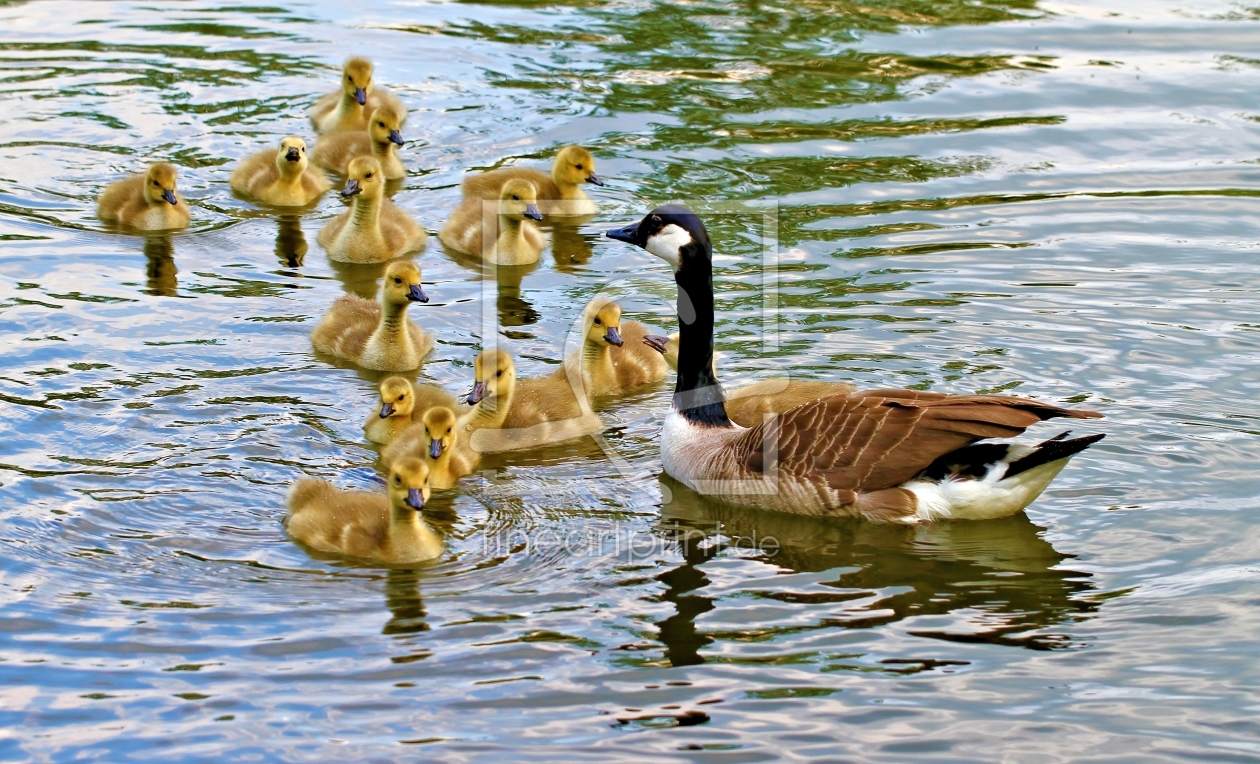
{"x": 526, "y": 413}
{"x": 381, "y": 140}
{"x": 886, "y": 455}
{"x": 281, "y": 177}
{"x": 348, "y": 107}
{"x": 374, "y": 229}
{"x": 436, "y": 441}
{"x": 516, "y": 241}
{"x": 377, "y": 335}
{"x": 402, "y": 406}
{"x": 559, "y": 193}
{"x": 748, "y": 405}
{"x": 605, "y": 363}
{"x": 148, "y": 202}
{"x": 361, "y": 524}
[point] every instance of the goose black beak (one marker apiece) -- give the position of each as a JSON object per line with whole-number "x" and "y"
{"x": 416, "y": 294}
{"x": 656, "y": 342}
{"x": 387, "y": 411}
{"x": 352, "y": 188}
{"x": 629, "y": 234}
{"x": 435, "y": 449}
{"x": 396, "y": 137}
{"x": 613, "y": 336}
{"x": 169, "y": 196}
{"x": 478, "y": 392}
{"x": 593, "y": 178}
{"x": 415, "y": 499}
{"x": 360, "y": 95}
{"x": 531, "y": 211}
{"x": 293, "y": 155}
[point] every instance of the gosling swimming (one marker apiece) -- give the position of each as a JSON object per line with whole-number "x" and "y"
{"x": 377, "y": 335}
{"x": 281, "y": 177}
{"x": 402, "y": 406}
{"x": 384, "y": 528}
{"x": 436, "y": 440}
{"x": 374, "y": 229}
{"x": 348, "y": 108}
{"x": 383, "y": 137}
{"x": 559, "y": 193}
{"x": 147, "y": 202}
{"x": 517, "y": 241}
{"x": 612, "y": 360}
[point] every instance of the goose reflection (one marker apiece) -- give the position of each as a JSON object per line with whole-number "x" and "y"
{"x": 160, "y": 270}
{"x": 291, "y": 245}
{"x": 997, "y": 581}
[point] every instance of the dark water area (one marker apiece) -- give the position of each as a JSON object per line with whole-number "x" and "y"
{"x": 1056, "y": 200}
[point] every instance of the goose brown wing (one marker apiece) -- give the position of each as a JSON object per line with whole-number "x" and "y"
{"x": 878, "y": 439}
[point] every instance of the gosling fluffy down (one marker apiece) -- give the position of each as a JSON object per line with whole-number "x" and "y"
{"x": 282, "y": 177}
{"x": 377, "y": 335}
{"x": 613, "y": 359}
{"x": 500, "y": 236}
{"x": 147, "y": 202}
{"x": 383, "y": 528}
{"x": 436, "y": 441}
{"x": 374, "y": 229}
{"x": 559, "y": 193}
{"x": 348, "y": 107}
{"x": 402, "y": 406}
{"x": 381, "y": 140}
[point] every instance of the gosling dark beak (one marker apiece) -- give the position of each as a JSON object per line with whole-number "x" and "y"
{"x": 169, "y": 196}
{"x": 478, "y": 392}
{"x": 613, "y": 336}
{"x": 656, "y": 342}
{"x": 415, "y": 499}
{"x": 351, "y": 189}
{"x": 293, "y": 155}
{"x": 387, "y": 411}
{"x": 629, "y": 234}
{"x": 435, "y": 449}
{"x": 531, "y": 211}
{"x": 416, "y": 294}
{"x": 360, "y": 95}
{"x": 593, "y": 178}
{"x": 396, "y": 137}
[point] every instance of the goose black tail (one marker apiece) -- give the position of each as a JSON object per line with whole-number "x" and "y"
{"x": 1052, "y": 451}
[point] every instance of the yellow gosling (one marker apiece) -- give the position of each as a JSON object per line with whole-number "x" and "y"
{"x": 402, "y": 405}
{"x": 559, "y": 193}
{"x": 349, "y": 107}
{"x": 516, "y": 241}
{"x": 367, "y": 525}
{"x": 148, "y": 202}
{"x": 436, "y": 441}
{"x": 282, "y": 177}
{"x": 607, "y": 363}
{"x": 381, "y": 140}
{"x": 374, "y": 229}
{"x": 377, "y": 335}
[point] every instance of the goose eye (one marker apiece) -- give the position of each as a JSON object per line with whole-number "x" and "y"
{"x": 656, "y": 220}
{"x": 397, "y": 281}
{"x": 368, "y": 175}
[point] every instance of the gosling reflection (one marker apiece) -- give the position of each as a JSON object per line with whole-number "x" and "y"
{"x": 406, "y": 606}
{"x": 1001, "y": 580}
{"x": 362, "y": 279}
{"x": 569, "y": 247}
{"x": 291, "y": 245}
{"x": 513, "y": 309}
{"x": 160, "y": 270}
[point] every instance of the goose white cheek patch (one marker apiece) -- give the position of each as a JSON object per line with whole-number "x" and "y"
{"x": 667, "y": 243}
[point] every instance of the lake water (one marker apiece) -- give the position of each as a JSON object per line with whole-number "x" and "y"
{"x": 1059, "y": 200}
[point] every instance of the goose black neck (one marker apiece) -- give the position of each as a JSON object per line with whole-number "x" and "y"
{"x": 697, "y": 396}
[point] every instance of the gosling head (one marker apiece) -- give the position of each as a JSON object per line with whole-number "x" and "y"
{"x": 519, "y": 200}
{"x": 356, "y": 79}
{"x": 603, "y": 322}
{"x": 409, "y": 483}
{"x": 159, "y": 184}
{"x": 574, "y": 166}
{"x": 493, "y": 373}
{"x": 365, "y": 177}
{"x": 291, "y": 157}
{"x": 439, "y": 430}
{"x": 402, "y": 284}
{"x": 385, "y": 125}
{"x": 397, "y": 397}
{"x": 671, "y": 232}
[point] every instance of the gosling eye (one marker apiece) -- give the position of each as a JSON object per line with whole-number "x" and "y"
{"x": 499, "y": 373}
{"x": 382, "y": 124}
{"x": 448, "y": 431}
{"x": 397, "y": 480}
{"x": 349, "y": 79}
{"x": 515, "y": 198}
{"x": 397, "y": 281}
{"x": 598, "y": 322}
{"x": 156, "y": 183}
{"x": 578, "y": 166}
{"x": 404, "y": 395}
{"x": 368, "y": 175}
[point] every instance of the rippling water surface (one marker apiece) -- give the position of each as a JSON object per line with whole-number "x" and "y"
{"x": 1053, "y": 199}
